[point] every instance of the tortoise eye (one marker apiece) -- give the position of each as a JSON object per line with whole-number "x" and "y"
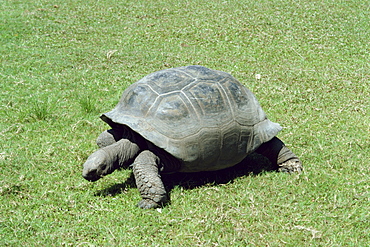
{"x": 103, "y": 167}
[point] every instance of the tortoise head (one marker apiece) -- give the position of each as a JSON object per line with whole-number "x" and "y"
{"x": 97, "y": 166}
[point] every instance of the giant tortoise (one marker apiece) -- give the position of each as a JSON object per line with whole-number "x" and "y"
{"x": 186, "y": 119}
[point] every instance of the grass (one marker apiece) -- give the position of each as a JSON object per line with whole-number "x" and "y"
{"x": 65, "y": 62}
{"x": 87, "y": 104}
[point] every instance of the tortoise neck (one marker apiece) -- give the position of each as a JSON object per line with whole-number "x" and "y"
{"x": 122, "y": 153}
{"x": 112, "y": 154}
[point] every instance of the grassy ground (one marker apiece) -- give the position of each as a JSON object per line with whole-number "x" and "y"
{"x": 65, "y": 62}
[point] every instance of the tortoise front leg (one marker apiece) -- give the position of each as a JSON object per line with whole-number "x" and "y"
{"x": 108, "y": 137}
{"x": 148, "y": 180}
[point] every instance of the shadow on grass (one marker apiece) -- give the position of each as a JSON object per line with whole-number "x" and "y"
{"x": 253, "y": 164}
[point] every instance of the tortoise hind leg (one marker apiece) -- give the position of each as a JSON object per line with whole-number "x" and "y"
{"x": 148, "y": 180}
{"x": 281, "y": 156}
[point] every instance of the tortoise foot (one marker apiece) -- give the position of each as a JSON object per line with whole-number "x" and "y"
{"x": 291, "y": 166}
{"x": 148, "y": 204}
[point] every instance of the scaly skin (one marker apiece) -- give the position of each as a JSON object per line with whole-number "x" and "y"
{"x": 107, "y": 159}
{"x": 108, "y": 137}
{"x": 123, "y": 153}
{"x": 148, "y": 180}
{"x": 147, "y": 165}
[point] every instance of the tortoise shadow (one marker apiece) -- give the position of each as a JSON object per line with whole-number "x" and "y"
{"x": 252, "y": 165}
{"x": 118, "y": 188}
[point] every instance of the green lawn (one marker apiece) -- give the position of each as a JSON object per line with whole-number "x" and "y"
{"x": 65, "y": 62}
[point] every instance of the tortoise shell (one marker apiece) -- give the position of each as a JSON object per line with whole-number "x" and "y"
{"x": 205, "y": 118}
